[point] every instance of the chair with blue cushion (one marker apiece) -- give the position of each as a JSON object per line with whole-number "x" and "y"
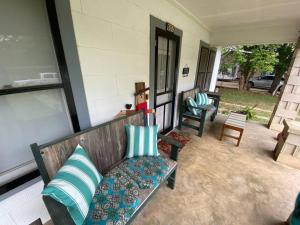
{"x": 197, "y": 109}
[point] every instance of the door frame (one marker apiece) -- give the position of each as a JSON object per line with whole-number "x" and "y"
{"x": 157, "y": 23}
{"x": 171, "y": 36}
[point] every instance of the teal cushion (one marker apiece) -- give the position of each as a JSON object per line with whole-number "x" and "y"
{"x": 115, "y": 200}
{"x": 74, "y": 185}
{"x": 141, "y": 141}
{"x": 191, "y": 102}
{"x": 202, "y": 99}
{"x": 209, "y": 112}
{"x": 146, "y": 171}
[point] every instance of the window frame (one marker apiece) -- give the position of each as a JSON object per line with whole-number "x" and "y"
{"x": 65, "y": 85}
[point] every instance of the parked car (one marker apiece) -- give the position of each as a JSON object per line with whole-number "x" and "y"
{"x": 264, "y": 82}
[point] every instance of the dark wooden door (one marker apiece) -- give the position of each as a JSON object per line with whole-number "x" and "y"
{"x": 205, "y": 66}
{"x": 166, "y": 67}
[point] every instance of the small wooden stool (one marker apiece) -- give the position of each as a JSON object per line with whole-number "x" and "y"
{"x": 237, "y": 122}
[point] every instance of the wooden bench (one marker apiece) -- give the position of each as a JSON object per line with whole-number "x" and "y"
{"x": 106, "y": 145}
{"x": 206, "y": 112}
{"x": 237, "y": 122}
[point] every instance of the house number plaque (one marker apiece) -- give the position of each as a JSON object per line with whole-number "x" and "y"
{"x": 170, "y": 27}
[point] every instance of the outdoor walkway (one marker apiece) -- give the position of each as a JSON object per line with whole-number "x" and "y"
{"x": 220, "y": 184}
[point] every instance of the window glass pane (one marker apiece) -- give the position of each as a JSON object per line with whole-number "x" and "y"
{"x": 27, "y": 55}
{"x": 26, "y": 118}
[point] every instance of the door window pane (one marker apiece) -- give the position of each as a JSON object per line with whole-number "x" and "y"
{"x": 204, "y": 55}
{"x": 211, "y": 62}
{"x": 164, "y": 98}
{"x": 160, "y": 117}
{"x": 171, "y": 65}
{"x": 26, "y": 118}
{"x": 162, "y": 64}
{"x": 27, "y": 55}
{"x": 168, "y": 115}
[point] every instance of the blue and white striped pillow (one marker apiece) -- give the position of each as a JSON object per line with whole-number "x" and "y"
{"x": 191, "y": 102}
{"x": 141, "y": 141}
{"x": 202, "y": 99}
{"x": 74, "y": 185}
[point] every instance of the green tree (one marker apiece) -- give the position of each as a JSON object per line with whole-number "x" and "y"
{"x": 228, "y": 59}
{"x": 251, "y": 59}
{"x": 284, "y": 54}
{"x": 254, "y": 59}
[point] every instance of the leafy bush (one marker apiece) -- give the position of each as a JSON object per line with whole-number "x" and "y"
{"x": 249, "y": 112}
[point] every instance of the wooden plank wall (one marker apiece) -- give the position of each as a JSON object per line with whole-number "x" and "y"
{"x": 288, "y": 104}
{"x": 106, "y": 144}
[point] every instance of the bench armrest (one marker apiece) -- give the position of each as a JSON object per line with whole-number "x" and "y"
{"x": 175, "y": 145}
{"x": 216, "y": 98}
{"x": 201, "y": 107}
{"x": 213, "y": 95}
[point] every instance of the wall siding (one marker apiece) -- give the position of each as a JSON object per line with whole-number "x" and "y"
{"x": 113, "y": 42}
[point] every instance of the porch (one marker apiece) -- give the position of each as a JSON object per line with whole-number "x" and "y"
{"x": 218, "y": 183}
{"x": 75, "y": 64}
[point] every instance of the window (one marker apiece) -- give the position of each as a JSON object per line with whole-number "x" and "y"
{"x": 35, "y": 97}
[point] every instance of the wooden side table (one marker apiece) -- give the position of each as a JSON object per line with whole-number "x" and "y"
{"x": 237, "y": 122}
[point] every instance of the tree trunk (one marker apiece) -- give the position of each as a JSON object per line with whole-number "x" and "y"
{"x": 250, "y": 75}
{"x": 275, "y": 82}
{"x": 241, "y": 82}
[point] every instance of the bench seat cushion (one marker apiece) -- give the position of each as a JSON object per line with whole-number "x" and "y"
{"x": 115, "y": 199}
{"x": 147, "y": 171}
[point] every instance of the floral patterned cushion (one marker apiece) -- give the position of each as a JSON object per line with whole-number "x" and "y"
{"x": 115, "y": 199}
{"x": 146, "y": 171}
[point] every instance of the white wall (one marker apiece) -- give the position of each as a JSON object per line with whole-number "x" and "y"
{"x": 113, "y": 43}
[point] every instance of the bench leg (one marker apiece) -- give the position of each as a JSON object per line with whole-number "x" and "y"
{"x": 240, "y": 137}
{"x": 212, "y": 118}
{"x": 180, "y": 122}
{"x": 202, "y": 123}
{"x": 171, "y": 180}
{"x": 222, "y": 133}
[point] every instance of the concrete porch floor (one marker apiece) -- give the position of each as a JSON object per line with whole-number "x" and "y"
{"x": 220, "y": 184}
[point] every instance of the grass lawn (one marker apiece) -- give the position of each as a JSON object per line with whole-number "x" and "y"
{"x": 234, "y": 100}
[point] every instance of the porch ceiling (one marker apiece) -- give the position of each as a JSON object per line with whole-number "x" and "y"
{"x": 243, "y": 22}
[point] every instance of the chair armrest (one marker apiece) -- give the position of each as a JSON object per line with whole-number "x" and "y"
{"x": 175, "y": 145}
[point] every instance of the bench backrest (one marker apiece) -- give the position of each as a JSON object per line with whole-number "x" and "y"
{"x": 190, "y": 93}
{"x": 105, "y": 143}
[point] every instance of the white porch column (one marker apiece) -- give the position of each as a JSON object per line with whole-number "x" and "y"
{"x": 214, "y": 77}
{"x": 288, "y": 105}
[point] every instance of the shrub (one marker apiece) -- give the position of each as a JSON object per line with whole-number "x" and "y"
{"x": 249, "y": 112}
